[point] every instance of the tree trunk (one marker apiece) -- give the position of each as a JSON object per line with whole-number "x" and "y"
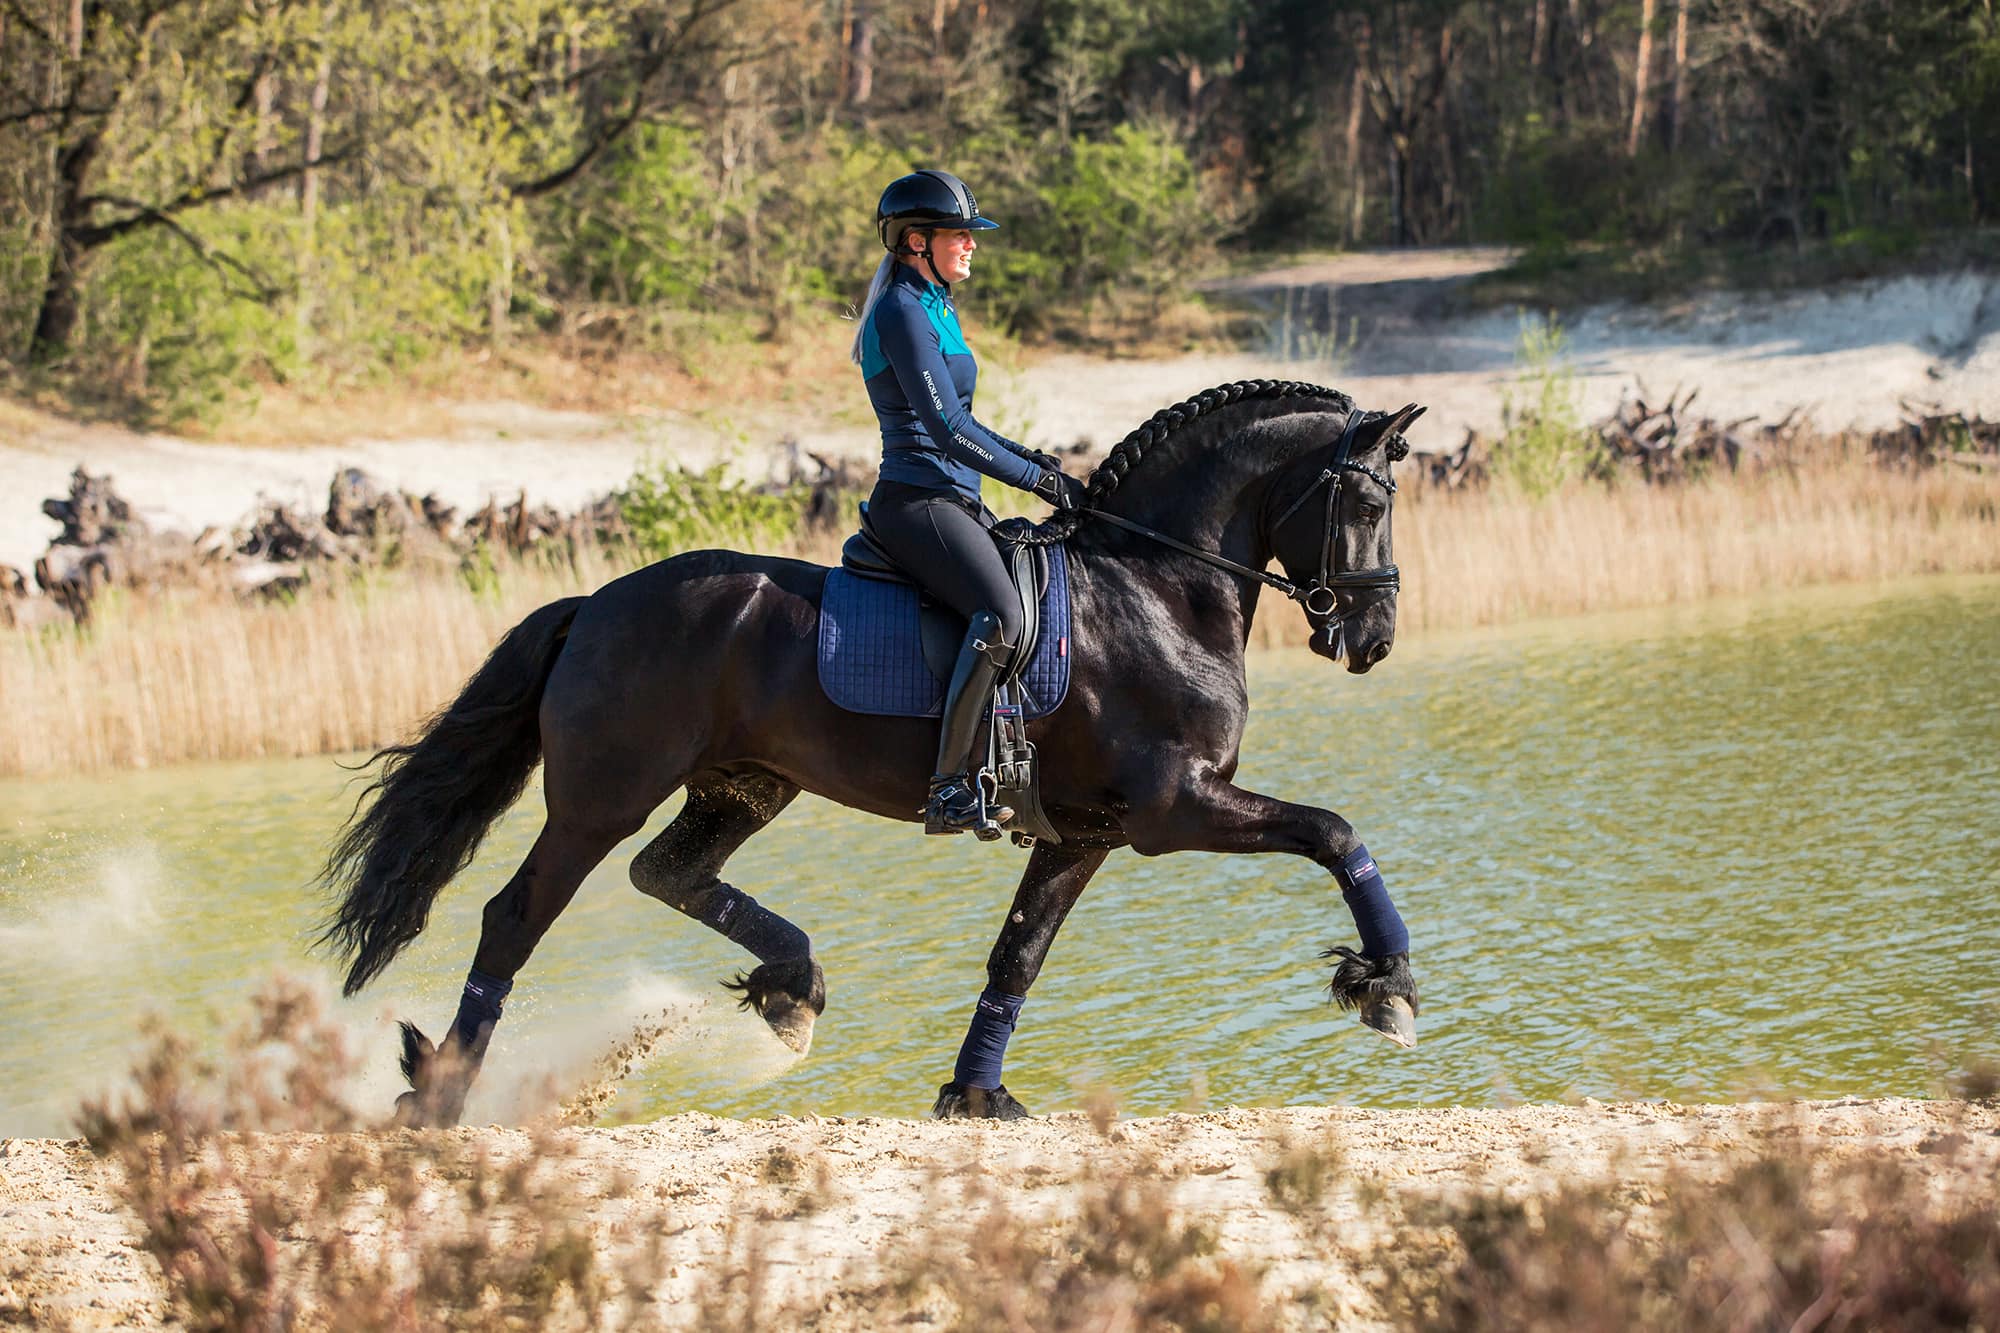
{"x": 1540, "y": 34}
{"x": 1399, "y": 168}
{"x": 1642, "y": 77}
{"x": 1357, "y": 173}
{"x": 315, "y": 134}
{"x": 55, "y": 321}
{"x": 302, "y": 306}
{"x": 1678, "y": 98}
{"x": 861, "y": 55}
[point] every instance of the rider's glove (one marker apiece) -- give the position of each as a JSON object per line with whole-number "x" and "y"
{"x": 1047, "y": 461}
{"x": 1060, "y": 489}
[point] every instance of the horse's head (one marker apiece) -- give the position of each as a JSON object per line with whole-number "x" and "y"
{"x": 1330, "y": 532}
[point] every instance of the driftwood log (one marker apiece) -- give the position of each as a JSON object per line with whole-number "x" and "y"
{"x": 1665, "y": 442}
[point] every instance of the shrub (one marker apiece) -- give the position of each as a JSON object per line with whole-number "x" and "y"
{"x": 670, "y": 510}
{"x": 1543, "y": 444}
{"x": 1119, "y": 222}
{"x": 256, "y": 1225}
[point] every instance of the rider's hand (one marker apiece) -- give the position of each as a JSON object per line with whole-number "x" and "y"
{"x": 1060, "y": 489}
{"x": 1048, "y": 462}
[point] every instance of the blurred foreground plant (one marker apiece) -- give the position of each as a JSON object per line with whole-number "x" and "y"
{"x": 1793, "y": 1237}
{"x": 265, "y": 1207}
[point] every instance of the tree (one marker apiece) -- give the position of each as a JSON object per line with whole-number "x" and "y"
{"x": 149, "y": 112}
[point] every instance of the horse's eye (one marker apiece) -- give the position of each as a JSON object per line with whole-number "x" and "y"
{"x": 1371, "y": 514}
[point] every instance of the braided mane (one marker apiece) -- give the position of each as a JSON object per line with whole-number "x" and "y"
{"x": 1165, "y": 422}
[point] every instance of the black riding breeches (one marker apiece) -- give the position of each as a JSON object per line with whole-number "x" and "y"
{"x": 942, "y": 542}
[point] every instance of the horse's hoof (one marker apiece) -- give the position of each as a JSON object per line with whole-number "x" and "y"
{"x": 412, "y": 1113}
{"x": 1393, "y": 1018}
{"x": 957, "y": 1102}
{"x": 789, "y": 996}
{"x": 791, "y": 1022}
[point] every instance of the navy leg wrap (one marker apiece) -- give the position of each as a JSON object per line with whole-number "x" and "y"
{"x": 736, "y": 916}
{"x": 1382, "y": 930}
{"x": 479, "y": 1008}
{"x": 985, "y": 1046}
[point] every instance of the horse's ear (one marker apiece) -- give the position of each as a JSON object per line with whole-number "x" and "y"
{"x": 1389, "y": 427}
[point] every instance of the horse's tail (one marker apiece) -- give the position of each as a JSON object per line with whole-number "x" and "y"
{"x": 434, "y": 798}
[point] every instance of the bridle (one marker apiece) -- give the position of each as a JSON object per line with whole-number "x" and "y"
{"x": 1321, "y": 597}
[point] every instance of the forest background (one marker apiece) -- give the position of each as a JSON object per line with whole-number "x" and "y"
{"x": 202, "y": 198}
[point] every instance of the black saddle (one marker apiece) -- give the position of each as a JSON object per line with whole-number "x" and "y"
{"x": 943, "y": 629}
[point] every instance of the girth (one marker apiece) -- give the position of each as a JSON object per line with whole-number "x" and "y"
{"x": 942, "y": 629}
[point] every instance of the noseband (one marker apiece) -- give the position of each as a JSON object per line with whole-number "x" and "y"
{"x": 1321, "y": 597}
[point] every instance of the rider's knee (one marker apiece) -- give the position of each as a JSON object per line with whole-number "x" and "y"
{"x": 1012, "y": 625}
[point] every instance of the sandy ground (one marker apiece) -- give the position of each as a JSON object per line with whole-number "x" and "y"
{"x": 1851, "y": 356}
{"x": 862, "y": 1195}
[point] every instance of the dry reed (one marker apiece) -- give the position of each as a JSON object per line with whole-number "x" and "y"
{"x": 187, "y": 675}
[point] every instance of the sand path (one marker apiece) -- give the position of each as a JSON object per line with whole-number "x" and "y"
{"x": 865, "y": 1194}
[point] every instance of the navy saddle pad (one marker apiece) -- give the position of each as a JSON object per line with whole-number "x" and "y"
{"x": 871, "y": 655}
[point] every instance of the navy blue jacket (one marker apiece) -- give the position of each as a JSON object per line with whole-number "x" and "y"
{"x": 920, "y": 377}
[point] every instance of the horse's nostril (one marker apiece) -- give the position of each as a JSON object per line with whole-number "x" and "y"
{"x": 1377, "y": 653}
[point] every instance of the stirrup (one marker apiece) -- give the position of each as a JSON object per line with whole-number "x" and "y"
{"x": 957, "y": 804}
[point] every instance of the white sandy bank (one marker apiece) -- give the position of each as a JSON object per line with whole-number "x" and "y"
{"x": 1852, "y": 356}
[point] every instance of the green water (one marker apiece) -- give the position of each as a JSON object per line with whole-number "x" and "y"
{"x": 1747, "y": 847}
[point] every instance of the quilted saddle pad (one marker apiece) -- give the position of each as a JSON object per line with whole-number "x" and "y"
{"x": 871, "y": 655}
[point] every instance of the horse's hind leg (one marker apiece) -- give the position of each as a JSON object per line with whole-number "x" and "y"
{"x": 1055, "y": 879}
{"x": 514, "y": 922}
{"x": 682, "y": 868}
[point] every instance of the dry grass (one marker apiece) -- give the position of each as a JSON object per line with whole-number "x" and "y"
{"x": 1782, "y": 1240}
{"x": 256, "y": 1225}
{"x": 1474, "y": 558}
{"x": 191, "y": 675}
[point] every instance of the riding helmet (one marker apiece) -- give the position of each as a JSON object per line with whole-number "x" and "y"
{"x": 926, "y": 199}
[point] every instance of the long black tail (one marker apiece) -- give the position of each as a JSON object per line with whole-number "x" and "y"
{"x": 434, "y": 798}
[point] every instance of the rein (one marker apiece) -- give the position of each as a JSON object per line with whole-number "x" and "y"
{"x": 1321, "y": 597}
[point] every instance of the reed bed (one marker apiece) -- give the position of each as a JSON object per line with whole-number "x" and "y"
{"x": 187, "y": 675}
{"x": 1476, "y": 559}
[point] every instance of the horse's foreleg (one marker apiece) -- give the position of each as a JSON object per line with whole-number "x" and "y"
{"x": 682, "y": 869}
{"x": 1054, "y": 880}
{"x": 515, "y": 920}
{"x": 1211, "y": 815}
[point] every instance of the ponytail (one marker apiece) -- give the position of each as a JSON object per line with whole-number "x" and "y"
{"x": 876, "y": 287}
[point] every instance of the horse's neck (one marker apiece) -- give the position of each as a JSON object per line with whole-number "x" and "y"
{"x": 1207, "y": 486}
{"x": 1207, "y": 491}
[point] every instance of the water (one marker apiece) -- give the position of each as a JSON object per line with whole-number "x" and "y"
{"x": 1744, "y": 848}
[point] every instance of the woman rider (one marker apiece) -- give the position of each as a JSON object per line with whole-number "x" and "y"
{"x": 925, "y": 509}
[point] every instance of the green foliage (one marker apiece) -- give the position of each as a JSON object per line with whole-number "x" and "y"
{"x": 670, "y": 510}
{"x": 494, "y": 166}
{"x": 1544, "y": 445}
{"x": 180, "y": 332}
{"x": 647, "y": 228}
{"x": 1118, "y": 222}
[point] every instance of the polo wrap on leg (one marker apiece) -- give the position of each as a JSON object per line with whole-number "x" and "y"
{"x": 739, "y": 918}
{"x": 993, "y": 1020}
{"x": 479, "y": 1009}
{"x": 1382, "y": 930}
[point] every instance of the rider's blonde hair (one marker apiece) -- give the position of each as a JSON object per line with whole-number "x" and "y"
{"x": 876, "y": 286}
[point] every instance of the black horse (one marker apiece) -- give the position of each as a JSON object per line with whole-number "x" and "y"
{"x": 699, "y": 673}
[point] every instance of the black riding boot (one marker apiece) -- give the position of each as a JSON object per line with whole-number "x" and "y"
{"x": 953, "y": 806}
